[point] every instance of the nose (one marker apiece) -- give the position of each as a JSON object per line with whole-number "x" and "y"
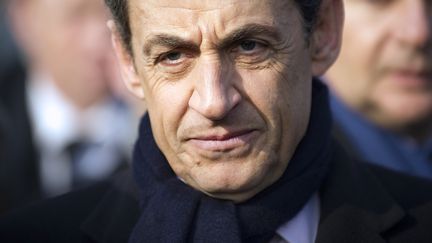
{"x": 415, "y": 23}
{"x": 214, "y": 94}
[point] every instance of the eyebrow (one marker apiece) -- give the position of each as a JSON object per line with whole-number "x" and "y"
{"x": 169, "y": 41}
{"x": 244, "y": 32}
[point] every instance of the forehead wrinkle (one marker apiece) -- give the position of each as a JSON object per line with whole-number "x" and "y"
{"x": 142, "y": 9}
{"x": 191, "y": 9}
{"x": 204, "y": 34}
{"x": 215, "y": 5}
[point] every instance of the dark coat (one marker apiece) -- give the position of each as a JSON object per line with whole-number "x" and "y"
{"x": 19, "y": 181}
{"x": 359, "y": 203}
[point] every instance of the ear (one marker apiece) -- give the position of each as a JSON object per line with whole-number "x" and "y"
{"x": 325, "y": 40}
{"x": 125, "y": 60}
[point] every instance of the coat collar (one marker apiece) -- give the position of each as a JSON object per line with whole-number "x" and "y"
{"x": 354, "y": 207}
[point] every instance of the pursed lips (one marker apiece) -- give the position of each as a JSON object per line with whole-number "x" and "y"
{"x": 223, "y": 142}
{"x": 412, "y": 78}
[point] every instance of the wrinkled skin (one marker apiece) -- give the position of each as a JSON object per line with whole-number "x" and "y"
{"x": 227, "y": 86}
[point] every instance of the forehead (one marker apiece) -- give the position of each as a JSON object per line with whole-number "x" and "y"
{"x": 203, "y": 5}
{"x": 207, "y": 15}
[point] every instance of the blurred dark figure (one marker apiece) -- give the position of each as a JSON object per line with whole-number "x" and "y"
{"x": 17, "y": 153}
{"x": 382, "y": 84}
{"x": 8, "y": 51}
{"x": 65, "y": 125}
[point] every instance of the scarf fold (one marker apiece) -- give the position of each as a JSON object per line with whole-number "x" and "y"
{"x": 175, "y": 212}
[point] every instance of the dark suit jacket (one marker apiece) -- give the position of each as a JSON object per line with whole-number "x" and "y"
{"x": 359, "y": 203}
{"x": 19, "y": 181}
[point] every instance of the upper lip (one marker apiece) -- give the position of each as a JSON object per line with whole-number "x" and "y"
{"x": 413, "y": 69}
{"x": 423, "y": 74}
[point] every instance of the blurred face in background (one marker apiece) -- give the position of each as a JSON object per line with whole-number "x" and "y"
{"x": 68, "y": 40}
{"x": 385, "y": 67}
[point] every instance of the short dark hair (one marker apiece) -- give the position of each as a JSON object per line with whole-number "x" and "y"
{"x": 120, "y": 11}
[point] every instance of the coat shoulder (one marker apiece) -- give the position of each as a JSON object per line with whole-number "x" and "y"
{"x": 53, "y": 220}
{"x": 414, "y": 195}
{"x": 409, "y": 191}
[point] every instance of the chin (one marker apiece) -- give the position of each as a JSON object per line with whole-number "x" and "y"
{"x": 222, "y": 184}
{"x": 410, "y": 112}
{"x": 235, "y": 184}
{"x": 227, "y": 186}
{"x": 402, "y": 120}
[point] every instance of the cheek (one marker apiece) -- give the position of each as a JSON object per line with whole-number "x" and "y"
{"x": 363, "y": 46}
{"x": 359, "y": 65}
{"x": 280, "y": 96}
{"x": 167, "y": 104}
{"x": 261, "y": 91}
{"x": 355, "y": 58}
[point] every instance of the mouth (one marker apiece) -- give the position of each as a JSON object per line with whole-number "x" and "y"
{"x": 412, "y": 78}
{"x": 223, "y": 142}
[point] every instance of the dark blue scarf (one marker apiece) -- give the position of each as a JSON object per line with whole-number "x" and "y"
{"x": 175, "y": 212}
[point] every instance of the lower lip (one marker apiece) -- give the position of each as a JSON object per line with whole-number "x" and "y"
{"x": 226, "y": 144}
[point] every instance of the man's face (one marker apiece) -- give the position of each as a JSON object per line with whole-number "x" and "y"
{"x": 68, "y": 40}
{"x": 385, "y": 66}
{"x": 227, "y": 86}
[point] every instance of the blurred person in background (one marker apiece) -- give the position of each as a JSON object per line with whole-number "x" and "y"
{"x": 16, "y": 154}
{"x": 68, "y": 126}
{"x": 382, "y": 84}
{"x": 8, "y": 51}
